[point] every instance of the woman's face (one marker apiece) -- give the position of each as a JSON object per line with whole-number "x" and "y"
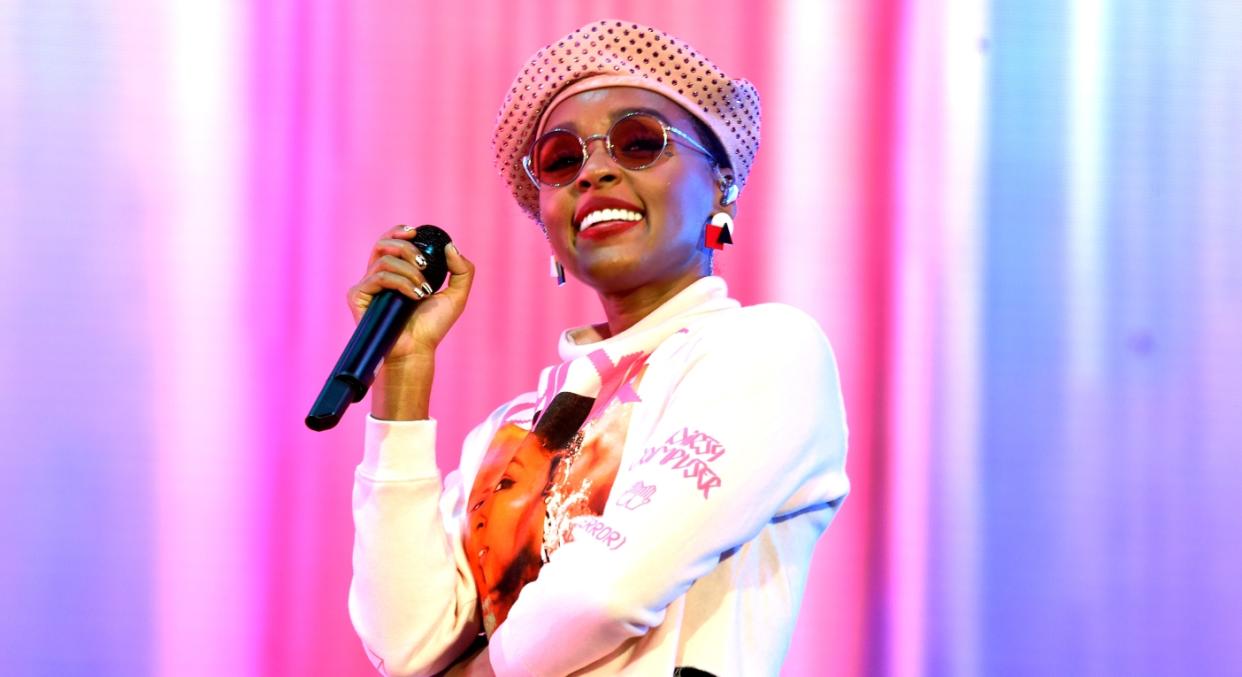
{"x": 506, "y": 510}
{"x": 676, "y": 197}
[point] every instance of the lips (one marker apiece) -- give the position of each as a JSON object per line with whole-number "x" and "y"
{"x": 597, "y": 204}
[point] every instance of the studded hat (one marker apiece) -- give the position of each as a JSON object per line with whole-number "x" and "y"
{"x": 613, "y": 53}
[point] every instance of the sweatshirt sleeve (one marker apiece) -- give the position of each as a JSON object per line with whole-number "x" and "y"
{"x": 412, "y": 599}
{"x": 754, "y": 429}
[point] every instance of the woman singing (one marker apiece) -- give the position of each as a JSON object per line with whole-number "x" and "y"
{"x": 651, "y": 506}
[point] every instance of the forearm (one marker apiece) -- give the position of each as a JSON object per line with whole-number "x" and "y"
{"x": 412, "y": 600}
{"x": 402, "y": 390}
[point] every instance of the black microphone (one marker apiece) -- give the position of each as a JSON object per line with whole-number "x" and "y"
{"x": 375, "y": 335}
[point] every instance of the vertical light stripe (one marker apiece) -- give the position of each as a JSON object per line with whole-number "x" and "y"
{"x": 913, "y": 301}
{"x": 958, "y": 401}
{"x": 206, "y": 592}
{"x": 1083, "y": 371}
{"x": 935, "y": 382}
{"x": 1087, "y": 111}
{"x": 1219, "y": 256}
{"x": 812, "y": 221}
{"x": 1217, "y": 280}
{"x": 811, "y": 135}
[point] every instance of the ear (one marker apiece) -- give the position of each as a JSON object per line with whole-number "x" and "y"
{"x": 726, "y": 192}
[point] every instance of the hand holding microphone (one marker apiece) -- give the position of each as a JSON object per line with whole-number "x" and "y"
{"x": 401, "y": 321}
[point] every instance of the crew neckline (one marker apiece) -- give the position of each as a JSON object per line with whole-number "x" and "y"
{"x": 706, "y": 294}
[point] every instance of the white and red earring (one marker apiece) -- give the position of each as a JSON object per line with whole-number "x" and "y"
{"x": 719, "y": 231}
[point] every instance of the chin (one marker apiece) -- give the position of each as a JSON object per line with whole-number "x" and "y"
{"x": 612, "y": 274}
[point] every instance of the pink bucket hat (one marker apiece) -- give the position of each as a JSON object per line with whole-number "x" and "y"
{"x": 613, "y": 53}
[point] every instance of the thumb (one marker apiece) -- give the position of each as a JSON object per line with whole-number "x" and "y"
{"x": 461, "y": 273}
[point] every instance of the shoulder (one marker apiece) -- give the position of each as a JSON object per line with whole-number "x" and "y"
{"x": 753, "y": 347}
{"x": 767, "y": 334}
{"x": 767, "y": 373}
{"x": 775, "y": 322}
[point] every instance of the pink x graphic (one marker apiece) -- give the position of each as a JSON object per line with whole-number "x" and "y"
{"x": 613, "y": 379}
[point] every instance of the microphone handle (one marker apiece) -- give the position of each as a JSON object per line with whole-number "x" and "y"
{"x": 355, "y": 371}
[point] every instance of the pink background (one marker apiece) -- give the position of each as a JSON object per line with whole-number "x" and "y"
{"x": 1018, "y": 225}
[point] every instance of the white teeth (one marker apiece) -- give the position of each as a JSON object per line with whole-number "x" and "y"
{"x": 601, "y": 215}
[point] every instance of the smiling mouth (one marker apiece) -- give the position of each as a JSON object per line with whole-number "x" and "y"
{"x": 610, "y": 215}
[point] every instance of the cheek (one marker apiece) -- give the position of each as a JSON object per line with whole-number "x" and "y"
{"x": 687, "y": 211}
{"x": 556, "y": 213}
{"x": 509, "y": 508}
{"x": 530, "y": 528}
{"x": 554, "y": 207}
{"x": 685, "y": 200}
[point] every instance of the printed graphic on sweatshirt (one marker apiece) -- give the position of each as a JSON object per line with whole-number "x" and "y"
{"x": 600, "y": 531}
{"x": 638, "y": 495}
{"x": 690, "y": 454}
{"x": 533, "y": 483}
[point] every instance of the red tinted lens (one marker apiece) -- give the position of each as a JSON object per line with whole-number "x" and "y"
{"x": 637, "y": 141}
{"x": 557, "y": 157}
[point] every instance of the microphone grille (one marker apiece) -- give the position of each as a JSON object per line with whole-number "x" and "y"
{"x": 431, "y": 241}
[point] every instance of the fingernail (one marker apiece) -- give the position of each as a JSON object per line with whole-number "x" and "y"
{"x": 422, "y": 262}
{"x": 407, "y": 229}
{"x": 428, "y": 288}
{"x": 454, "y": 249}
{"x": 422, "y": 293}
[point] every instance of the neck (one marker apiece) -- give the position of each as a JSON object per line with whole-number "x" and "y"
{"x": 625, "y": 308}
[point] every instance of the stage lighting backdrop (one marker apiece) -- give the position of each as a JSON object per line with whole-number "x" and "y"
{"x": 1017, "y": 222}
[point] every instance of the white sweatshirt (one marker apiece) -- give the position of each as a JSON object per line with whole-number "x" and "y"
{"x": 723, "y": 432}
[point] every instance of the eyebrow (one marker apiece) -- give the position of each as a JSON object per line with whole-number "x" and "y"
{"x": 616, "y": 116}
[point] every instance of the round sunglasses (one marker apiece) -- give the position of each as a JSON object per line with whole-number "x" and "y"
{"x": 635, "y": 141}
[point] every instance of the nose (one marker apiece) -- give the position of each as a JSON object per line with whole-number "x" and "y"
{"x": 599, "y": 168}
